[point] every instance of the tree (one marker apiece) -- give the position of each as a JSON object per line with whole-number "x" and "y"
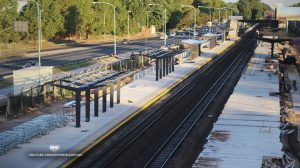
{"x": 252, "y": 9}
{"x": 8, "y": 14}
{"x": 52, "y": 20}
{"x": 296, "y": 5}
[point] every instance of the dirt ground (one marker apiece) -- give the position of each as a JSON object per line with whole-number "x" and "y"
{"x": 53, "y": 108}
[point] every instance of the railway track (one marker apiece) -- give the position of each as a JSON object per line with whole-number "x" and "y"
{"x": 154, "y": 137}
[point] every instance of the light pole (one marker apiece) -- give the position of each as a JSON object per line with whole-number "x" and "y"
{"x": 195, "y": 17}
{"x": 39, "y": 28}
{"x": 208, "y": 7}
{"x": 165, "y": 28}
{"x": 115, "y": 38}
{"x": 219, "y": 14}
{"x": 147, "y": 24}
{"x": 128, "y": 24}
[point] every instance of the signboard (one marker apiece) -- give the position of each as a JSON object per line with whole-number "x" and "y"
{"x": 236, "y": 17}
{"x": 20, "y": 26}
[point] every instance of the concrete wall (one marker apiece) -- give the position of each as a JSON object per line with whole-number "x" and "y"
{"x": 32, "y": 76}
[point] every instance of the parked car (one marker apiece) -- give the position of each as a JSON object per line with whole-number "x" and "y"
{"x": 30, "y": 64}
{"x": 172, "y": 34}
{"x": 181, "y": 35}
{"x": 194, "y": 33}
{"x": 124, "y": 41}
{"x": 164, "y": 36}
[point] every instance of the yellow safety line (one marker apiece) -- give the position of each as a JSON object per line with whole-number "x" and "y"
{"x": 142, "y": 109}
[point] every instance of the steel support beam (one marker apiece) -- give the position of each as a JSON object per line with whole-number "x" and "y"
{"x": 111, "y": 91}
{"x": 170, "y": 65}
{"x": 78, "y": 107}
{"x": 118, "y": 91}
{"x": 164, "y": 66}
{"x": 160, "y": 68}
{"x": 87, "y": 105}
{"x": 104, "y": 93}
{"x": 167, "y": 65}
{"x": 173, "y": 64}
{"x": 96, "y": 102}
{"x": 157, "y": 67}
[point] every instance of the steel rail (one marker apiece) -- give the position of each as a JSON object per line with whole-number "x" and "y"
{"x": 164, "y": 153}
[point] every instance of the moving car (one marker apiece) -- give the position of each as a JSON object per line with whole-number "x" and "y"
{"x": 124, "y": 41}
{"x": 30, "y": 64}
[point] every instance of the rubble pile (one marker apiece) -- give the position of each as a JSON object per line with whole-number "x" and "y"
{"x": 289, "y": 136}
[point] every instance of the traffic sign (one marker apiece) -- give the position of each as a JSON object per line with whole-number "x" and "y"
{"x": 20, "y": 26}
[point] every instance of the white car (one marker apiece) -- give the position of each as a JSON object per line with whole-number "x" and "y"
{"x": 164, "y": 36}
{"x": 195, "y": 33}
{"x": 172, "y": 34}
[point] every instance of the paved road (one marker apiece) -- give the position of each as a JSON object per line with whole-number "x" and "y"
{"x": 7, "y": 67}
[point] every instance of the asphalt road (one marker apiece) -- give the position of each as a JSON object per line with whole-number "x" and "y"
{"x": 7, "y": 67}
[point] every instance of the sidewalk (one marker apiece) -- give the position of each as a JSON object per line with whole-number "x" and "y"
{"x": 247, "y": 130}
{"x": 134, "y": 96}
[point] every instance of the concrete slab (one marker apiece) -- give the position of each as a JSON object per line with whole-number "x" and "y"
{"x": 247, "y": 129}
{"x": 134, "y": 96}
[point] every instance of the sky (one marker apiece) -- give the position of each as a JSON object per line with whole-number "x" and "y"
{"x": 272, "y": 2}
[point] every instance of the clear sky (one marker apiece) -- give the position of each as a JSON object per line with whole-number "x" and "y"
{"x": 272, "y": 2}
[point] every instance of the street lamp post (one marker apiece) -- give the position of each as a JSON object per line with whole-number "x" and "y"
{"x": 165, "y": 22}
{"x": 208, "y": 7}
{"x": 39, "y": 28}
{"x": 219, "y": 14}
{"x": 147, "y": 27}
{"x": 115, "y": 39}
{"x": 128, "y": 24}
{"x": 195, "y": 17}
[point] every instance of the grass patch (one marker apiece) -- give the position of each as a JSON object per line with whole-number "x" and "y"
{"x": 76, "y": 65}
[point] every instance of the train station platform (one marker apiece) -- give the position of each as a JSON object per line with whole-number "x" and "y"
{"x": 135, "y": 96}
{"x": 247, "y": 131}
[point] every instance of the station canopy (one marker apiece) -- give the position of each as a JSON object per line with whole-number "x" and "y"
{"x": 193, "y": 42}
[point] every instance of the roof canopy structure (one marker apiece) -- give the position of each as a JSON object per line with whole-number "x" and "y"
{"x": 193, "y": 42}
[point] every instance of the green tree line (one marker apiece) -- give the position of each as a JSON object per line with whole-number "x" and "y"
{"x": 63, "y": 19}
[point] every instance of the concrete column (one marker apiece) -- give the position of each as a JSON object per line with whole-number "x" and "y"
{"x": 96, "y": 102}
{"x": 118, "y": 91}
{"x": 78, "y": 107}
{"x": 111, "y": 91}
{"x": 104, "y": 93}
{"x": 87, "y": 105}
